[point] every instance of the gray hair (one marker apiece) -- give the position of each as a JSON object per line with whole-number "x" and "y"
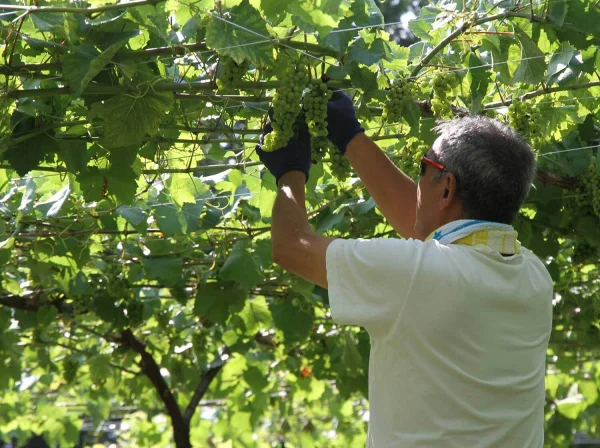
{"x": 492, "y": 163}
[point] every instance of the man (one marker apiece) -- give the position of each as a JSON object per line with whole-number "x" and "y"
{"x": 458, "y": 313}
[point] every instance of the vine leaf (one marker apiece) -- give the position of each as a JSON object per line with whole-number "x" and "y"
{"x": 163, "y": 269}
{"x": 27, "y": 154}
{"x": 557, "y": 11}
{"x": 480, "y": 79}
{"x": 256, "y": 315}
{"x": 216, "y": 301}
{"x": 324, "y": 15}
{"x": 81, "y": 65}
{"x": 275, "y": 10}
{"x": 532, "y": 67}
{"x": 294, "y": 323}
{"x": 129, "y": 118}
{"x": 242, "y": 266}
{"x": 236, "y": 39}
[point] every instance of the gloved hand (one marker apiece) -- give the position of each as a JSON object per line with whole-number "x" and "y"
{"x": 342, "y": 124}
{"x": 295, "y": 155}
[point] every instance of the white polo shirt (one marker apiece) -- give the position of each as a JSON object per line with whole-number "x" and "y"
{"x": 458, "y": 340}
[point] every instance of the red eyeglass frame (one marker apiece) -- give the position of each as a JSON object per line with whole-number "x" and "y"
{"x": 430, "y": 162}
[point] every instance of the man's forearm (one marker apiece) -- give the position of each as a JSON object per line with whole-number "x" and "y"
{"x": 393, "y": 191}
{"x": 289, "y": 219}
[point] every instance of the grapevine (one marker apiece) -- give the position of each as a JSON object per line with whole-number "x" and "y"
{"x": 315, "y": 112}
{"x": 230, "y": 72}
{"x": 286, "y": 105}
{"x": 402, "y": 91}
{"x": 442, "y": 86}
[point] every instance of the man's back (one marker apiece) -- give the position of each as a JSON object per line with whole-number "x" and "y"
{"x": 459, "y": 337}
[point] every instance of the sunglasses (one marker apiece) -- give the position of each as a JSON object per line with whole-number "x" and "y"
{"x": 425, "y": 161}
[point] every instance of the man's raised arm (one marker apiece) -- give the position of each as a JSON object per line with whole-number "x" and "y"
{"x": 394, "y": 192}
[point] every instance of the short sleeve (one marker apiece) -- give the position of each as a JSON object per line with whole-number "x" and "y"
{"x": 369, "y": 280}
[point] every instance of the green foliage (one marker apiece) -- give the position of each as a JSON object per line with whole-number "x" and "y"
{"x": 135, "y": 215}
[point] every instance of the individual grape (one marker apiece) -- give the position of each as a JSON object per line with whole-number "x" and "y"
{"x": 315, "y": 114}
{"x": 442, "y": 85}
{"x": 230, "y": 72}
{"x": 286, "y": 104}
{"x": 402, "y": 91}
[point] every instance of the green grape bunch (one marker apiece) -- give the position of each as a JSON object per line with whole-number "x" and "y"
{"x": 526, "y": 119}
{"x": 230, "y": 72}
{"x": 584, "y": 200}
{"x": 402, "y": 91}
{"x": 286, "y": 105}
{"x": 442, "y": 85}
{"x": 340, "y": 167}
{"x": 410, "y": 158}
{"x": 315, "y": 114}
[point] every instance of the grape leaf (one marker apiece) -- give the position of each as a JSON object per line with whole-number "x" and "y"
{"x": 27, "y": 154}
{"x": 129, "y": 118}
{"x": 242, "y": 266}
{"x": 324, "y": 15}
{"x": 239, "y": 37}
{"x": 359, "y": 52}
{"x": 292, "y": 321}
{"x": 532, "y": 67}
{"x": 215, "y": 301}
{"x": 166, "y": 270}
{"x": 365, "y": 12}
{"x": 82, "y": 64}
{"x": 275, "y": 10}
{"x": 256, "y": 315}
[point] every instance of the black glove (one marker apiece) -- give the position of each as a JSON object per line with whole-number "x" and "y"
{"x": 342, "y": 124}
{"x": 293, "y": 156}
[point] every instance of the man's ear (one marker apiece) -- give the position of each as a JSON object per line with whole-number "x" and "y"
{"x": 449, "y": 190}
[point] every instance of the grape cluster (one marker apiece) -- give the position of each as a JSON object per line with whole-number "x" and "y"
{"x": 585, "y": 199}
{"x": 315, "y": 114}
{"x": 410, "y": 158}
{"x": 442, "y": 85}
{"x": 340, "y": 167}
{"x": 589, "y": 190}
{"x": 230, "y": 72}
{"x": 401, "y": 92}
{"x": 70, "y": 368}
{"x": 286, "y": 105}
{"x": 527, "y": 121}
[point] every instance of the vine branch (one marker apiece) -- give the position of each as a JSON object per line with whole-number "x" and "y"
{"x": 151, "y": 369}
{"x": 205, "y": 381}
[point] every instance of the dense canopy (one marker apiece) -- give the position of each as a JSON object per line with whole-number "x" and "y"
{"x": 134, "y": 213}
